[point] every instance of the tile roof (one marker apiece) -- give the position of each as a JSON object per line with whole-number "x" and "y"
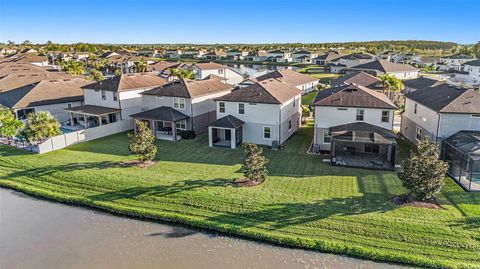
{"x": 352, "y": 95}
{"x": 384, "y": 66}
{"x": 44, "y": 92}
{"x": 446, "y": 98}
{"x": 269, "y": 91}
{"x": 287, "y": 76}
{"x": 188, "y": 88}
{"x": 127, "y": 82}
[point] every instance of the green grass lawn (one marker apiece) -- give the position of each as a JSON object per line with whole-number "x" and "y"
{"x": 325, "y": 77}
{"x": 307, "y": 99}
{"x": 303, "y": 203}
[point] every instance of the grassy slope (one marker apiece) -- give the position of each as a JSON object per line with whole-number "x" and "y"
{"x": 303, "y": 203}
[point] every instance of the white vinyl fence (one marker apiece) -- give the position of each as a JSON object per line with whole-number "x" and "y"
{"x": 65, "y": 140}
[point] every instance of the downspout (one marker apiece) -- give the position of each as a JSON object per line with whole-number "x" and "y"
{"x": 191, "y": 112}
{"x": 280, "y": 126}
{"x": 438, "y": 127}
{"x": 120, "y": 104}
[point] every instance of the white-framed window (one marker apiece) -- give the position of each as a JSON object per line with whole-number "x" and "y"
{"x": 241, "y": 108}
{"x": 267, "y": 132}
{"x": 289, "y": 125}
{"x": 385, "y": 115}
{"x": 327, "y": 138}
{"x": 220, "y": 71}
{"x": 115, "y": 96}
{"x": 104, "y": 96}
{"x": 360, "y": 114}
{"x": 418, "y": 134}
{"x": 179, "y": 103}
{"x": 181, "y": 125}
{"x": 415, "y": 109}
{"x": 221, "y": 107}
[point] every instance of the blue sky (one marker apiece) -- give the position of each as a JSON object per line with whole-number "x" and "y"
{"x": 248, "y": 21}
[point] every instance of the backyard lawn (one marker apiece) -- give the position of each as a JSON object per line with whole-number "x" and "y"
{"x": 303, "y": 203}
{"x": 307, "y": 99}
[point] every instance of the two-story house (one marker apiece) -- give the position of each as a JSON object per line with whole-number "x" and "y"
{"x": 183, "y": 105}
{"x": 360, "y": 78}
{"x": 327, "y": 58}
{"x": 455, "y": 61}
{"x": 339, "y": 65}
{"x": 354, "y": 123}
{"x": 420, "y": 83}
{"x": 303, "y": 82}
{"x": 204, "y": 70}
{"x": 436, "y": 113}
{"x": 113, "y": 99}
{"x": 265, "y": 113}
{"x": 473, "y": 69}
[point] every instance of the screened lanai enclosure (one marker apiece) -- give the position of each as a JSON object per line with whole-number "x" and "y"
{"x": 462, "y": 152}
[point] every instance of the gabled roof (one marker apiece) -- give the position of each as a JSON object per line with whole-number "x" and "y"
{"x": 190, "y": 88}
{"x": 331, "y": 55}
{"x": 16, "y": 80}
{"x": 354, "y": 56}
{"x": 301, "y": 52}
{"x": 287, "y": 76}
{"x": 458, "y": 56}
{"x": 44, "y": 92}
{"x": 276, "y": 51}
{"x": 209, "y": 66}
{"x": 162, "y": 65}
{"x": 7, "y": 68}
{"x": 228, "y": 121}
{"x": 473, "y": 63}
{"x": 385, "y": 66}
{"x": 360, "y": 78}
{"x": 269, "y": 91}
{"x": 446, "y": 98}
{"x": 163, "y": 113}
{"x": 352, "y": 95}
{"x": 421, "y": 83}
{"x": 127, "y": 82}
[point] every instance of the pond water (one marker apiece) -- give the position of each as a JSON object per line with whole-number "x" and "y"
{"x": 255, "y": 70}
{"x": 41, "y": 234}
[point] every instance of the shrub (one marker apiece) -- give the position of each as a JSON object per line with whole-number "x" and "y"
{"x": 423, "y": 172}
{"x": 187, "y": 134}
{"x": 255, "y": 164}
{"x": 141, "y": 143}
{"x": 41, "y": 126}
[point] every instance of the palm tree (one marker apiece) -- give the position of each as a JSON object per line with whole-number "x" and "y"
{"x": 40, "y": 126}
{"x": 73, "y": 68}
{"x": 96, "y": 75}
{"x": 188, "y": 74}
{"x": 391, "y": 84}
{"x": 140, "y": 66}
{"x": 9, "y": 125}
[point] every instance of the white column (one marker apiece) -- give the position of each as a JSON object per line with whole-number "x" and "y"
{"x": 99, "y": 120}
{"x": 210, "y": 136}
{"x": 233, "y": 141}
{"x": 85, "y": 120}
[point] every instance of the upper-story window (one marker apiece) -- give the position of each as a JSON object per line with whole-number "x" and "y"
{"x": 221, "y": 107}
{"x": 179, "y": 103}
{"x": 241, "y": 108}
{"x": 415, "y": 109}
{"x": 104, "y": 96}
{"x": 385, "y": 116}
{"x": 360, "y": 114}
{"x": 115, "y": 96}
{"x": 266, "y": 132}
{"x": 220, "y": 71}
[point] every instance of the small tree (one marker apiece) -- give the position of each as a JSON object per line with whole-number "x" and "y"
{"x": 9, "y": 125}
{"x": 40, "y": 126}
{"x": 140, "y": 66}
{"x": 305, "y": 113}
{"x": 255, "y": 164}
{"x": 73, "y": 68}
{"x": 141, "y": 143}
{"x": 117, "y": 72}
{"x": 96, "y": 75}
{"x": 423, "y": 172}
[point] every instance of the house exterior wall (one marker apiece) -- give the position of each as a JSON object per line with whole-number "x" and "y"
{"x": 473, "y": 73}
{"x": 405, "y": 75}
{"x": 231, "y": 76}
{"x": 326, "y": 117}
{"x": 290, "y": 113}
{"x": 151, "y": 102}
{"x": 425, "y": 118}
{"x": 452, "y": 123}
{"x": 130, "y": 102}
{"x": 94, "y": 98}
{"x": 57, "y": 110}
{"x": 308, "y": 87}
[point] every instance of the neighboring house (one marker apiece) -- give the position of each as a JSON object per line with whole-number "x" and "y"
{"x": 212, "y": 55}
{"x": 162, "y": 68}
{"x": 7, "y": 51}
{"x": 473, "y": 69}
{"x": 382, "y": 67}
{"x": 7, "y": 68}
{"x": 147, "y": 52}
{"x": 412, "y": 85}
{"x": 359, "y": 78}
{"x": 279, "y": 56}
{"x": 388, "y": 55}
{"x": 302, "y": 56}
{"x": 189, "y": 54}
{"x": 354, "y": 123}
{"x": 456, "y": 61}
{"x": 256, "y": 56}
{"x": 234, "y": 54}
{"x": 47, "y": 95}
{"x": 435, "y": 113}
{"x": 303, "y": 82}
{"x": 184, "y": 105}
{"x": 327, "y": 58}
{"x": 265, "y": 113}
{"x": 203, "y": 70}
{"x": 113, "y": 99}
{"x": 339, "y": 65}
{"x": 27, "y": 58}
{"x": 172, "y": 53}
{"x": 302, "y": 59}
{"x": 109, "y": 54}
{"x": 17, "y": 80}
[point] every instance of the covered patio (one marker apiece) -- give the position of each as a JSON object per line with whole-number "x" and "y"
{"x": 89, "y": 116}
{"x": 225, "y": 132}
{"x": 363, "y": 145}
{"x": 165, "y": 122}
